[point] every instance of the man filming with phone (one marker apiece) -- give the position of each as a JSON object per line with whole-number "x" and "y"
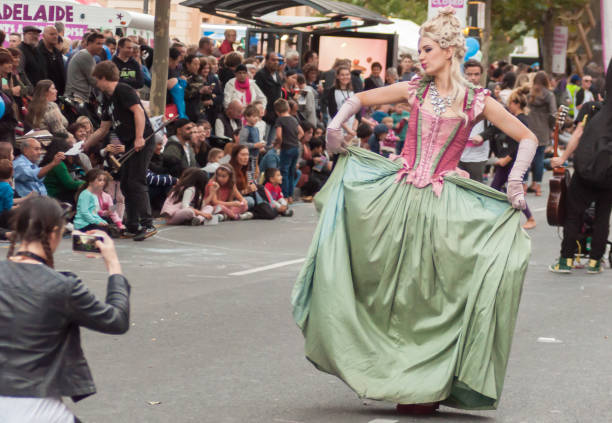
{"x": 124, "y": 113}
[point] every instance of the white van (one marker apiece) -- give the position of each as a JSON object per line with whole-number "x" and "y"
{"x": 77, "y": 18}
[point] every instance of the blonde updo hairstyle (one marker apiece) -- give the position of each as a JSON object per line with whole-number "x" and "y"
{"x": 520, "y": 96}
{"x": 445, "y": 29}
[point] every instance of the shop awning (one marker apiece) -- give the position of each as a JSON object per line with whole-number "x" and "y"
{"x": 249, "y": 11}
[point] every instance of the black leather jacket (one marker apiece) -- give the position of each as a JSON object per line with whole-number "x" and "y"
{"x": 41, "y": 311}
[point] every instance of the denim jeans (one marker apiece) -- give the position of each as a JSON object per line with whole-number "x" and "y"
{"x": 298, "y": 175}
{"x": 288, "y": 162}
{"x": 537, "y": 165}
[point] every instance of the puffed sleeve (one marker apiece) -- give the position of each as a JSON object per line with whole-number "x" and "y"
{"x": 412, "y": 88}
{"x": 480, "y": 94}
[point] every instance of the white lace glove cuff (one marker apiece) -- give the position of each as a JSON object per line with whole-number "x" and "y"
{"x": 524, "y": 157}
{"x": 335, "y": 139}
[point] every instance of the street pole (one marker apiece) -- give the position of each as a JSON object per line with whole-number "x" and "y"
{"x": 145, "y": 7}
{"x": 160, "y": 57}
{"x": 487, "y": 35}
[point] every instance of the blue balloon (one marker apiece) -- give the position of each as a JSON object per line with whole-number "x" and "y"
{"x": 2, "y": 107}
{"x": 473, "y": 46}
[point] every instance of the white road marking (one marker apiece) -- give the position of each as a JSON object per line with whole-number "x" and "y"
{"x": 268, "y": 267}
{"x": 539, "y": 210}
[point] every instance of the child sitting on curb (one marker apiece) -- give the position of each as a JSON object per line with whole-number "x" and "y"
{"x": 214, "y": 155}
{"x": 188, "y": 203}
{"x": 226, "y": 199}
{"x": 274, "y": 179}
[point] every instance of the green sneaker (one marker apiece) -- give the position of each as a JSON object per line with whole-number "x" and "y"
{"x": 564, "y": 265}
{"x": 594, "y": 267}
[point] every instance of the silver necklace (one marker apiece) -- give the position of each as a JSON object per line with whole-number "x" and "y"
{"x": 438, "y": 102}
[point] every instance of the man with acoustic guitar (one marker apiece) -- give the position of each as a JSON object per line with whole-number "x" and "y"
{"x": 123, "y": 112}
{"x": 591, "y": 182}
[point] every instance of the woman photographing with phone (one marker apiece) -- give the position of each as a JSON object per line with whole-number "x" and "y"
{"x": 42, "y": 310}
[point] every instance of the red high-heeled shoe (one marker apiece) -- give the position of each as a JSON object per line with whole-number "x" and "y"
{"x": 418, "y": 409}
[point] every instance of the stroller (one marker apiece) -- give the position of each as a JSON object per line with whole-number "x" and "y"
{"x": 584, "y": 239}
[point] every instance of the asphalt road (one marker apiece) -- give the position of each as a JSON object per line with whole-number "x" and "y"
{"x": 212, "y": 338}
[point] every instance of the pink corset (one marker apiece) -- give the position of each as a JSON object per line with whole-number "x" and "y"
{"x": 434, "y": 144}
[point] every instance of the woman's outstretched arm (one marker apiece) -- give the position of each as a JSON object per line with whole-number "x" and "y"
{"x": 395, "y": 93}
{"x": 528, "y": 143}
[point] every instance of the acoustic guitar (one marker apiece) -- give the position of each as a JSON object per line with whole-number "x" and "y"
{"x": 559, "y": 182}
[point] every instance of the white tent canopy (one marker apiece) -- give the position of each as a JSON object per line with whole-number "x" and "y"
{"x": 408, "y": 31}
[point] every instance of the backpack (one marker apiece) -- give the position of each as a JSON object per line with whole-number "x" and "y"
{"x": 593, "y": 156}
{"x": 264, "y": 211}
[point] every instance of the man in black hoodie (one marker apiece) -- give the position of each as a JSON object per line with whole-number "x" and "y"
{"x": 53, "y": 61}
{"x": 591, "y": 182}
{"x": 129, "y": 69}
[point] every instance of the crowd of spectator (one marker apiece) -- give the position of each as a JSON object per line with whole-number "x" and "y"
{"x": 250, "y": 131}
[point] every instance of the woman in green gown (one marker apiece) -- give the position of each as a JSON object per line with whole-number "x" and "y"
{"x": 412, "y": 283}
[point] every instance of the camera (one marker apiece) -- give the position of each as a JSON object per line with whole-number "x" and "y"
{"x": 84, "y": 243}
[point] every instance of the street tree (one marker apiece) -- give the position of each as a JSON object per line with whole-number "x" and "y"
{"x": 539, "y": 16}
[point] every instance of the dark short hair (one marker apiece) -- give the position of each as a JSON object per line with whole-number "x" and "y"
{"x": 190, "y": 58}
{"x": 122, "y": 42}
{"x": 179, "y": 123}
{"x": 74, "y": 127}
{"x": 308, "y": 55}
{"x": 271, "y": 53}
{"x": 94, "y": 36}
{"x": 307, "y": 126}
{"x": 472, "y": 63}
{"x": 6, "y": 168}
{"x": 110, "y": 41}
{"x": 204, "y": 41}
{"x": 269, "y": 173}
{"x": 106, "y": 70}
{"x": 315, "y": 143}
{"x": 174, "y": 53}
{"x": 376, "y": 65}
{"x": 364, "y": 130}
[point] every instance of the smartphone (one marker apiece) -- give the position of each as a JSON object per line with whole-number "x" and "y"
{"x": 84, "y": 243}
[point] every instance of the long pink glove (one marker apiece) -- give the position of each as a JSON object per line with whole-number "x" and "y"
{"x": 335, "y": 138}
{"x": 524, "y": 156}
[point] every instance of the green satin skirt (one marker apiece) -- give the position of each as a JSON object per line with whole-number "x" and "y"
{"x": 408, "y": 297}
